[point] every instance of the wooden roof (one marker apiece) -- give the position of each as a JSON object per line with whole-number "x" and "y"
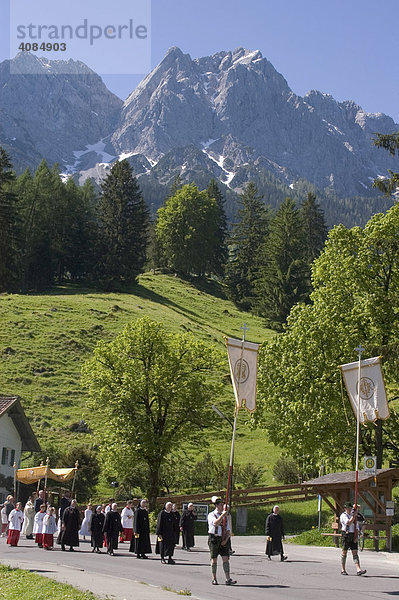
{"x": 11, "y": 405}
{"x": 347, "y": 478}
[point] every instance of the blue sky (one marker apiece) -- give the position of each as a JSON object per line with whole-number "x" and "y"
{"x": 347, "y": 48}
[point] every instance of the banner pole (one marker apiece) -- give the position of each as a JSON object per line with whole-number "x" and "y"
{"x": 245, "y": 329}
{"x": 360, "y": 349}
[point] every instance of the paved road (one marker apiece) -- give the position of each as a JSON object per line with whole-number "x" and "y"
{"x": 308, "y": 574}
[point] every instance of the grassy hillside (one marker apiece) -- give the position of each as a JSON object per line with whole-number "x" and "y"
{"x": 44, "y": 339}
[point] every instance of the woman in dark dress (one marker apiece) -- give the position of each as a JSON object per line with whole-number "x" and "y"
{"x": 70, "y": 527}
{"x": 187, "y": 520}
{"x": 97, "y": 524}
{"x": 166, "y": 533}
{"x": 274, "y": 533}
{"x": 176, "y": 515}
{"x": 141, "y": 543}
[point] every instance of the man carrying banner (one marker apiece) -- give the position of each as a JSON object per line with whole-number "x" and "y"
{"x": 219, "y": 533}
{"x": 349, "y": 541}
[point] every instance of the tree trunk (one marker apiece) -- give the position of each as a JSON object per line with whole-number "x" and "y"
{"x": 153, "y": 488}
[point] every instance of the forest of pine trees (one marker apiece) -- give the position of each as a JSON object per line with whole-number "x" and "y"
{"x": 53, "y": 231}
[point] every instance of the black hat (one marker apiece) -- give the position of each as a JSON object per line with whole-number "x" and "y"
{"x": 348, "y": 505}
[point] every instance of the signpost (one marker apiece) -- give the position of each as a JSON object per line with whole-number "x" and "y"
{"x": 370, "y": 465}
{"x": 201, "y": 510}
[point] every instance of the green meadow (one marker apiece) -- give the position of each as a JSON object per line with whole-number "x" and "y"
{"x": 45, "y": 339}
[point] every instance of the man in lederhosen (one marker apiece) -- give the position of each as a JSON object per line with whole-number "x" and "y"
{"x": 349, "y": 540}
{"x": 219, "y": 533}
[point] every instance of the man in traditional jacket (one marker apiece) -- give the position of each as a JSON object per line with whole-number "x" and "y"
{"x": 166, "y": 533}
{"x": 112, "y": 528}
{"x": 141, "y": 526}
{"x": 274, "y": 533}
{"x": 219, "y": 532}
{"x": 70, "y": 527}
{"x": 187, "y": 526}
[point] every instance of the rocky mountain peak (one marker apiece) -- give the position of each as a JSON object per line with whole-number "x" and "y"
{"x": 230, "y": 114}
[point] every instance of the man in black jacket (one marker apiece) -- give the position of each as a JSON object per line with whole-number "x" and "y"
{"x": 112, "y": 528}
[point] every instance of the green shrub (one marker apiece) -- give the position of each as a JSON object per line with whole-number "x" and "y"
{"x": 286, "y": 470}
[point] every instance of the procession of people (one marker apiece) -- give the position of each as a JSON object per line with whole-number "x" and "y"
{"x": 105, "y": 526}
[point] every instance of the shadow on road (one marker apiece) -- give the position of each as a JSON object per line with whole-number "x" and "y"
{"x": 41, "y": 571}
{"x": 266, "y": 587}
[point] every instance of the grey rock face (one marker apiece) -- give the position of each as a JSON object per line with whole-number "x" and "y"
{"x": 49, "y": 113}
{"x": 238, "y": 108}
{"x": 223, "y": 115}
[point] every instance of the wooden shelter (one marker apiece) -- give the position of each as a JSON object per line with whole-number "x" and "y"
{"x": 374, "y": 491}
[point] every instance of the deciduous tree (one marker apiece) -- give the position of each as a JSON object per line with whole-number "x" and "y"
{"x": 187, "y": 231}
{"x": 154, "y": 389}
{"x": 355, "y": 300}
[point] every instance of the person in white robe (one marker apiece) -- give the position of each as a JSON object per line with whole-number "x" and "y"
{"x": 29, "y": 517}
{"x": 15, "y": 521}
{"x": 49, "y": 529}
{"x": 38, "y": 525}
{"x": 127, "y": 522}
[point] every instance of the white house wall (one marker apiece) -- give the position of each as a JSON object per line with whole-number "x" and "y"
{"x": 9, "y": 438}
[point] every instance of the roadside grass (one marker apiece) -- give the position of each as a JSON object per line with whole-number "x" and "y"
{"x": 16, "y": 584}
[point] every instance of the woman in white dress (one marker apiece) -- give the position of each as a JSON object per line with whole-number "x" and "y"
{"x": 85, "y": 528}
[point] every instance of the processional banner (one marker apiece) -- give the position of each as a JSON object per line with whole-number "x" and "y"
{"x": 373, "y": 398}
{"x": 243, "y": 361}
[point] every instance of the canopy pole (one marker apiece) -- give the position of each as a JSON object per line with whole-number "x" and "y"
{"x": 15, "y": 480}
{"x": 45, "y": 479}
{"x": 74, "y": 477}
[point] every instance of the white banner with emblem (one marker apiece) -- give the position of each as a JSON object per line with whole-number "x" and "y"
{"x": 373, "y": 399}
{"x": 243, "y": 361}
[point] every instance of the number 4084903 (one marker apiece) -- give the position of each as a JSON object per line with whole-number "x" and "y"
{"x": 44, "y": 47}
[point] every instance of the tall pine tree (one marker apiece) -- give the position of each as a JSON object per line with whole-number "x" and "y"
{"x": 9, "y": 228}
{"x": 314, "y": 229}
{"x": 124, "y": 222}
{"x": 248, "y": 234}
{"x": 219, "y": 257}
{"x": 281, "y": 280}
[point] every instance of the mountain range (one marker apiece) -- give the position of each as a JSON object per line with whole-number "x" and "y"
{"x": 231, "y": 116}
